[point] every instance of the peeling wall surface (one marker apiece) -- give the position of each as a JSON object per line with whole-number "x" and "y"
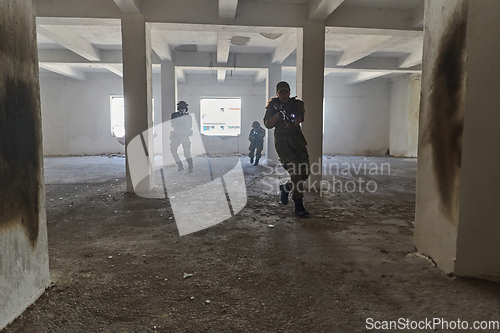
{"x": 440, "y": 130}
{"x": 478, "y": 247}
{"x": 24, "y": 271}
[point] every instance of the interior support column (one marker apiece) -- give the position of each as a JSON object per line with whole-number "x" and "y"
{"x": 274, "y": 76}
{"x": 168, "y": 104}
{"x": 137, "y": 90}
{"x": 458, "y": 183}
{"x": 310, "y": 86}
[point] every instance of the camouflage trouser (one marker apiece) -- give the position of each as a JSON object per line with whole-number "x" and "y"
{"x": 294, "y": 157}
{"x": 175, "y": 142}
{"x": 256, "y": 146}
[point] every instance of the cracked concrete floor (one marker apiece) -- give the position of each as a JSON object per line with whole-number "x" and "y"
{"x": 118, "y": 264}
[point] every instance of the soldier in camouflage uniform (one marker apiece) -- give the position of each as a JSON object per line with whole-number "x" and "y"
{"x": 290, "y": 144}
{"x": 256, "y": 138}
{"x": 182, "y": 124}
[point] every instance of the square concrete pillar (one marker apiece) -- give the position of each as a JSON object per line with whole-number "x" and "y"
{"x": 137, "y": 90}
{"x": 310, "y": 88}
{"x": 458, "y": 184}
{"x": 24, "y": 258}
{"x": 405, "y": 106}
{"x": 274, "y": 76}
{"x": 168, "y": 104}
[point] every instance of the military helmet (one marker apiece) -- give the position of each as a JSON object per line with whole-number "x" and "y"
{"x": 255, "y": 124}
{"x": 182, "y": 105}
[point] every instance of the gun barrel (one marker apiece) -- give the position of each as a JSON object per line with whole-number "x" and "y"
{"x": 286, "y": 116}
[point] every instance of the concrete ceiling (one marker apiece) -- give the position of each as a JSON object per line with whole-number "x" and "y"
{"x": 361, "y": 35}
{"x": 385, "y": 4}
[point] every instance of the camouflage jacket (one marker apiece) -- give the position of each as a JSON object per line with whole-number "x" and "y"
{"x": 257, "y": 135}
{"x": 293, "y": 106}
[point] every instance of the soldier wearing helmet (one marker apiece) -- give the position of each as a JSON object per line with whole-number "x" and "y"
{"x": 284, "y": 114}
{"x": 182, "y": 125}
{"x": 256, "y": 138}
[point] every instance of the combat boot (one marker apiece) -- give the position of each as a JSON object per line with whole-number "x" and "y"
{"x": 285, "y": 191}
{"x": 299, "y": 208}
{"x": 190, "y": 165}
{"x": 251, "y": 160}
{"x": 179, "y": 166}
{"x": 256, "y": 162}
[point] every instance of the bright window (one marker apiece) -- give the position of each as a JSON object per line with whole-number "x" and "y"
{"x": 118, "y": 115}
{"x": 220, "y": 116}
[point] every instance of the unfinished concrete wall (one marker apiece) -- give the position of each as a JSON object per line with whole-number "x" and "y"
{"x": 478, "y": 248}
{"x": 404, "y": 111}
{"x": 24, "y": 267}
{"x": 253, "y": 103}
{"x": 441, "y": 129}
{"x": 399, "y": 116}
{"x": 76, "y": 118}
{"x": 76, "y": 114}
{"x": 356, "y": 118}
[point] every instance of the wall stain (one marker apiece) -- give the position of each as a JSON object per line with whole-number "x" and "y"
{"x": 447, "y": 110}
{"x": 20, "y": 157}
{"x": 20, "y": 120}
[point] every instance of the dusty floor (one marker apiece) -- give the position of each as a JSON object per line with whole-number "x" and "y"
{"x": 118, "y": 263}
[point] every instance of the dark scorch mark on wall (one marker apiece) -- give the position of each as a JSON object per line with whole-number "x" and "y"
{"x": 447, "y": 109}
{"x": 20, "y": 157}
{"x": 20, "y": 120}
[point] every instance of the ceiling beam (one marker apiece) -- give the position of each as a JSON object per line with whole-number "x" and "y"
{"x": 227, "y": 9}
{"x": 113, "y": 68}
{"x": 365, "y": 76}
{"x": 223, "y": 46}
{"x": 64, "y": 69}
{"x": 319, "y": 10}
{"x": 70, "y": 40}
{"x": 374, "y": 32}
{"x": 359, "y": 70}
{"x": 417, "y": 20}
{"x": 204, "y": 14}
{"x": 160, "y": 45}
{"x": 221, "y": 75}
{"x": 371, "y": 18}
{"x": 260, "y": 76}
{"x": 287, "y": 45}
{"x": 77, "y": 9}
{"x": 180, "y": 75}
{"x": 65, "y": 55}
{"x": 369, "y": 46}
{"x": 412, "y": 59}
{"x": 129, "y": 6}
{"x": 361, "y": 50}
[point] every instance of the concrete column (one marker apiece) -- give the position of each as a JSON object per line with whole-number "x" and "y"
{"x": 478, "y": 228}
{"x": 137, "y": 89}
{"x": 310, "y": 86}
{"x": 24, "y": 258}
{"x": 168, "y": 104}
{"x": 404, "y": 111}
{"x": 274, "y": 76}
{"x": 458, "y": 184}
{"x": 415, "y": 85}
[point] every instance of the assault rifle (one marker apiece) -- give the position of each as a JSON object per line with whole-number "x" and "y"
{"x": 288, "y": 118}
